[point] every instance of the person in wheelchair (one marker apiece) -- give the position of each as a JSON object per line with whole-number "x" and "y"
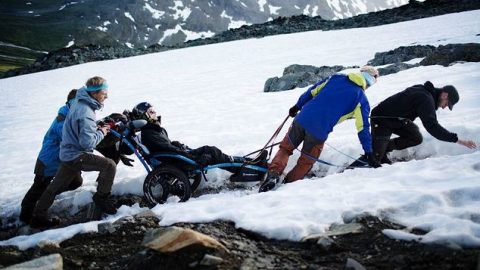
{"x": 156, "y": 139}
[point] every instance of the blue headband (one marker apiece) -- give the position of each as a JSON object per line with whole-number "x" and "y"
{"x": 92, "y": 88}
{"x": 369, "y": 78}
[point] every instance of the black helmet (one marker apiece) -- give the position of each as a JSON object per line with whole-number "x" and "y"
{"x": 140, "y": 110}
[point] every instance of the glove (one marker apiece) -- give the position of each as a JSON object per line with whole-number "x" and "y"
{"x": 372, "y": 161}
{"x": 178, "y": 145}
{"x": 127, "y": 161}
{"x": 293, "y": 111}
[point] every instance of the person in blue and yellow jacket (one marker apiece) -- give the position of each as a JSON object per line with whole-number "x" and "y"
{"x": 48, "y": 161}
{"x": 322, "y": 106}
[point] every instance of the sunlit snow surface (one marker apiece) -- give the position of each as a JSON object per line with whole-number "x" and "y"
{"x": 213, "y": 95}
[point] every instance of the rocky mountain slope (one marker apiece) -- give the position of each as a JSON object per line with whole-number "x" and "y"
{"x": 49, "y": 25}
{"x": 282, "y": 25}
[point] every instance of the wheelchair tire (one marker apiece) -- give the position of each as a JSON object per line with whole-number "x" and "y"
{"x": 165, "y": 181}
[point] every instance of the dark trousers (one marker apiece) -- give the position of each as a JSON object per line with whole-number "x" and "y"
{"x": 311, "y": 149}
{"x": 382, "y": 129}
{"x": 209, "y": 155}
{"x": 40, "y": 184}
{"x": 69, "y": 171}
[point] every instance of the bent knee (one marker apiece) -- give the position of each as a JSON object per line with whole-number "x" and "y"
{"x": 110, "y": 164}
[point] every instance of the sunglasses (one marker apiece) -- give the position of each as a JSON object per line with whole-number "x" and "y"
{"x": 151, "y": 111}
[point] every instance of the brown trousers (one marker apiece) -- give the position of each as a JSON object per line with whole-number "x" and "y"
{"x": 69, "y": 171}
{"x": 311, "y": 146}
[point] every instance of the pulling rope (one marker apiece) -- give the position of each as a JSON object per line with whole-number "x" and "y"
{"x": 260, "y": 150}
{"x": 274, "y": 136}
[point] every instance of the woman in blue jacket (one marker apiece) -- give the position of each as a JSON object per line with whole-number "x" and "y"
{"x": 48, "y": 161}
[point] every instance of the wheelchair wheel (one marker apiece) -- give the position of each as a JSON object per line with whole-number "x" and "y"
{"x": 165, "y": 181}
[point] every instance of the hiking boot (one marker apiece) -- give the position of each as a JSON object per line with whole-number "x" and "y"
{"x": 273, "y": 178}
{"x": 104, "y": 203}
{"x": 38, "y": 222}
{"x": 361, "y": 162}
{"x": 386, "y": 160}
{"x": 25, "y": 215}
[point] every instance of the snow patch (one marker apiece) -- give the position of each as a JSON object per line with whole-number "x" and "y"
{"x": 180, "y": 11}
{"x": 129, "y": 16}
{"x": 70, "y": 43}
{"x": 233, "y": 23}
{"x": 261, "y": 4}
{"x": 156, "y": 14}
{"x": 190, "y": 34}
{"x": 273, "y": 9}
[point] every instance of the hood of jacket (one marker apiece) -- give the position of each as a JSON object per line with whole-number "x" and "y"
{"x": 82, "y": 95}
{"x": 435, "y": 92}
{"x": 64, "y": 110}
{"x": 358, "y": 79}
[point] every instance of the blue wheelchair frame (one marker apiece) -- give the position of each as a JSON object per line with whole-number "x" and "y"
{"x": 153, "y": 160}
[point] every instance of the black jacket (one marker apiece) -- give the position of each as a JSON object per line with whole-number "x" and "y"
{"x": 415, "y": 101}
{"x": 155, "y": 138}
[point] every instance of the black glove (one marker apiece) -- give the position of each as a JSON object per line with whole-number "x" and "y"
{"x": 372, "y": 161}
{"x": 293, "y": 111}
{"x": 180, "y": 145}
{"x": 177, "y": 144}
{"x": 127, "y": 161}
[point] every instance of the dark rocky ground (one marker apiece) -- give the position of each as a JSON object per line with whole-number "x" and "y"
{"x": 122, "y": 249}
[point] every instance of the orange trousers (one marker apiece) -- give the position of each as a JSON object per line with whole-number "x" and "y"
{"x": 311, "y": 146}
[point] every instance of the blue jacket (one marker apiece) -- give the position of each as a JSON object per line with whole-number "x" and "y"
{"x": 51, "y": 143}
{"x": 333, "y": 100}
{"x": 80, "y": 131}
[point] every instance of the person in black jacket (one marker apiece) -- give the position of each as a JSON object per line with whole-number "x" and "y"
{"x": 396, "y": 114}
{"x": 156, "y": 139}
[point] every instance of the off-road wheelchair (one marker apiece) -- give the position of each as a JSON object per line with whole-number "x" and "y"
{"x": 171, "y": 174}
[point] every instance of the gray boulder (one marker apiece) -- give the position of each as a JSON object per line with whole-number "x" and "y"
{"x": 448, "y": 54}
{"x": 299, "y": 76}
{"x": 394, "y": 68}
{"x": 401, "y": 54}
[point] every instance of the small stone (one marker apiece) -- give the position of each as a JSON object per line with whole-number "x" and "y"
{"x": 352, "y": 264}
{"x": 106, "y": 227}
{"x": 209, "y": 260}
{"x": 146, "y": 213}
{"x": 47, "y": 244}
{"x": 325, "y": 242}
{"x": 248, "y": 264}
{"x": 124, "y": 220}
